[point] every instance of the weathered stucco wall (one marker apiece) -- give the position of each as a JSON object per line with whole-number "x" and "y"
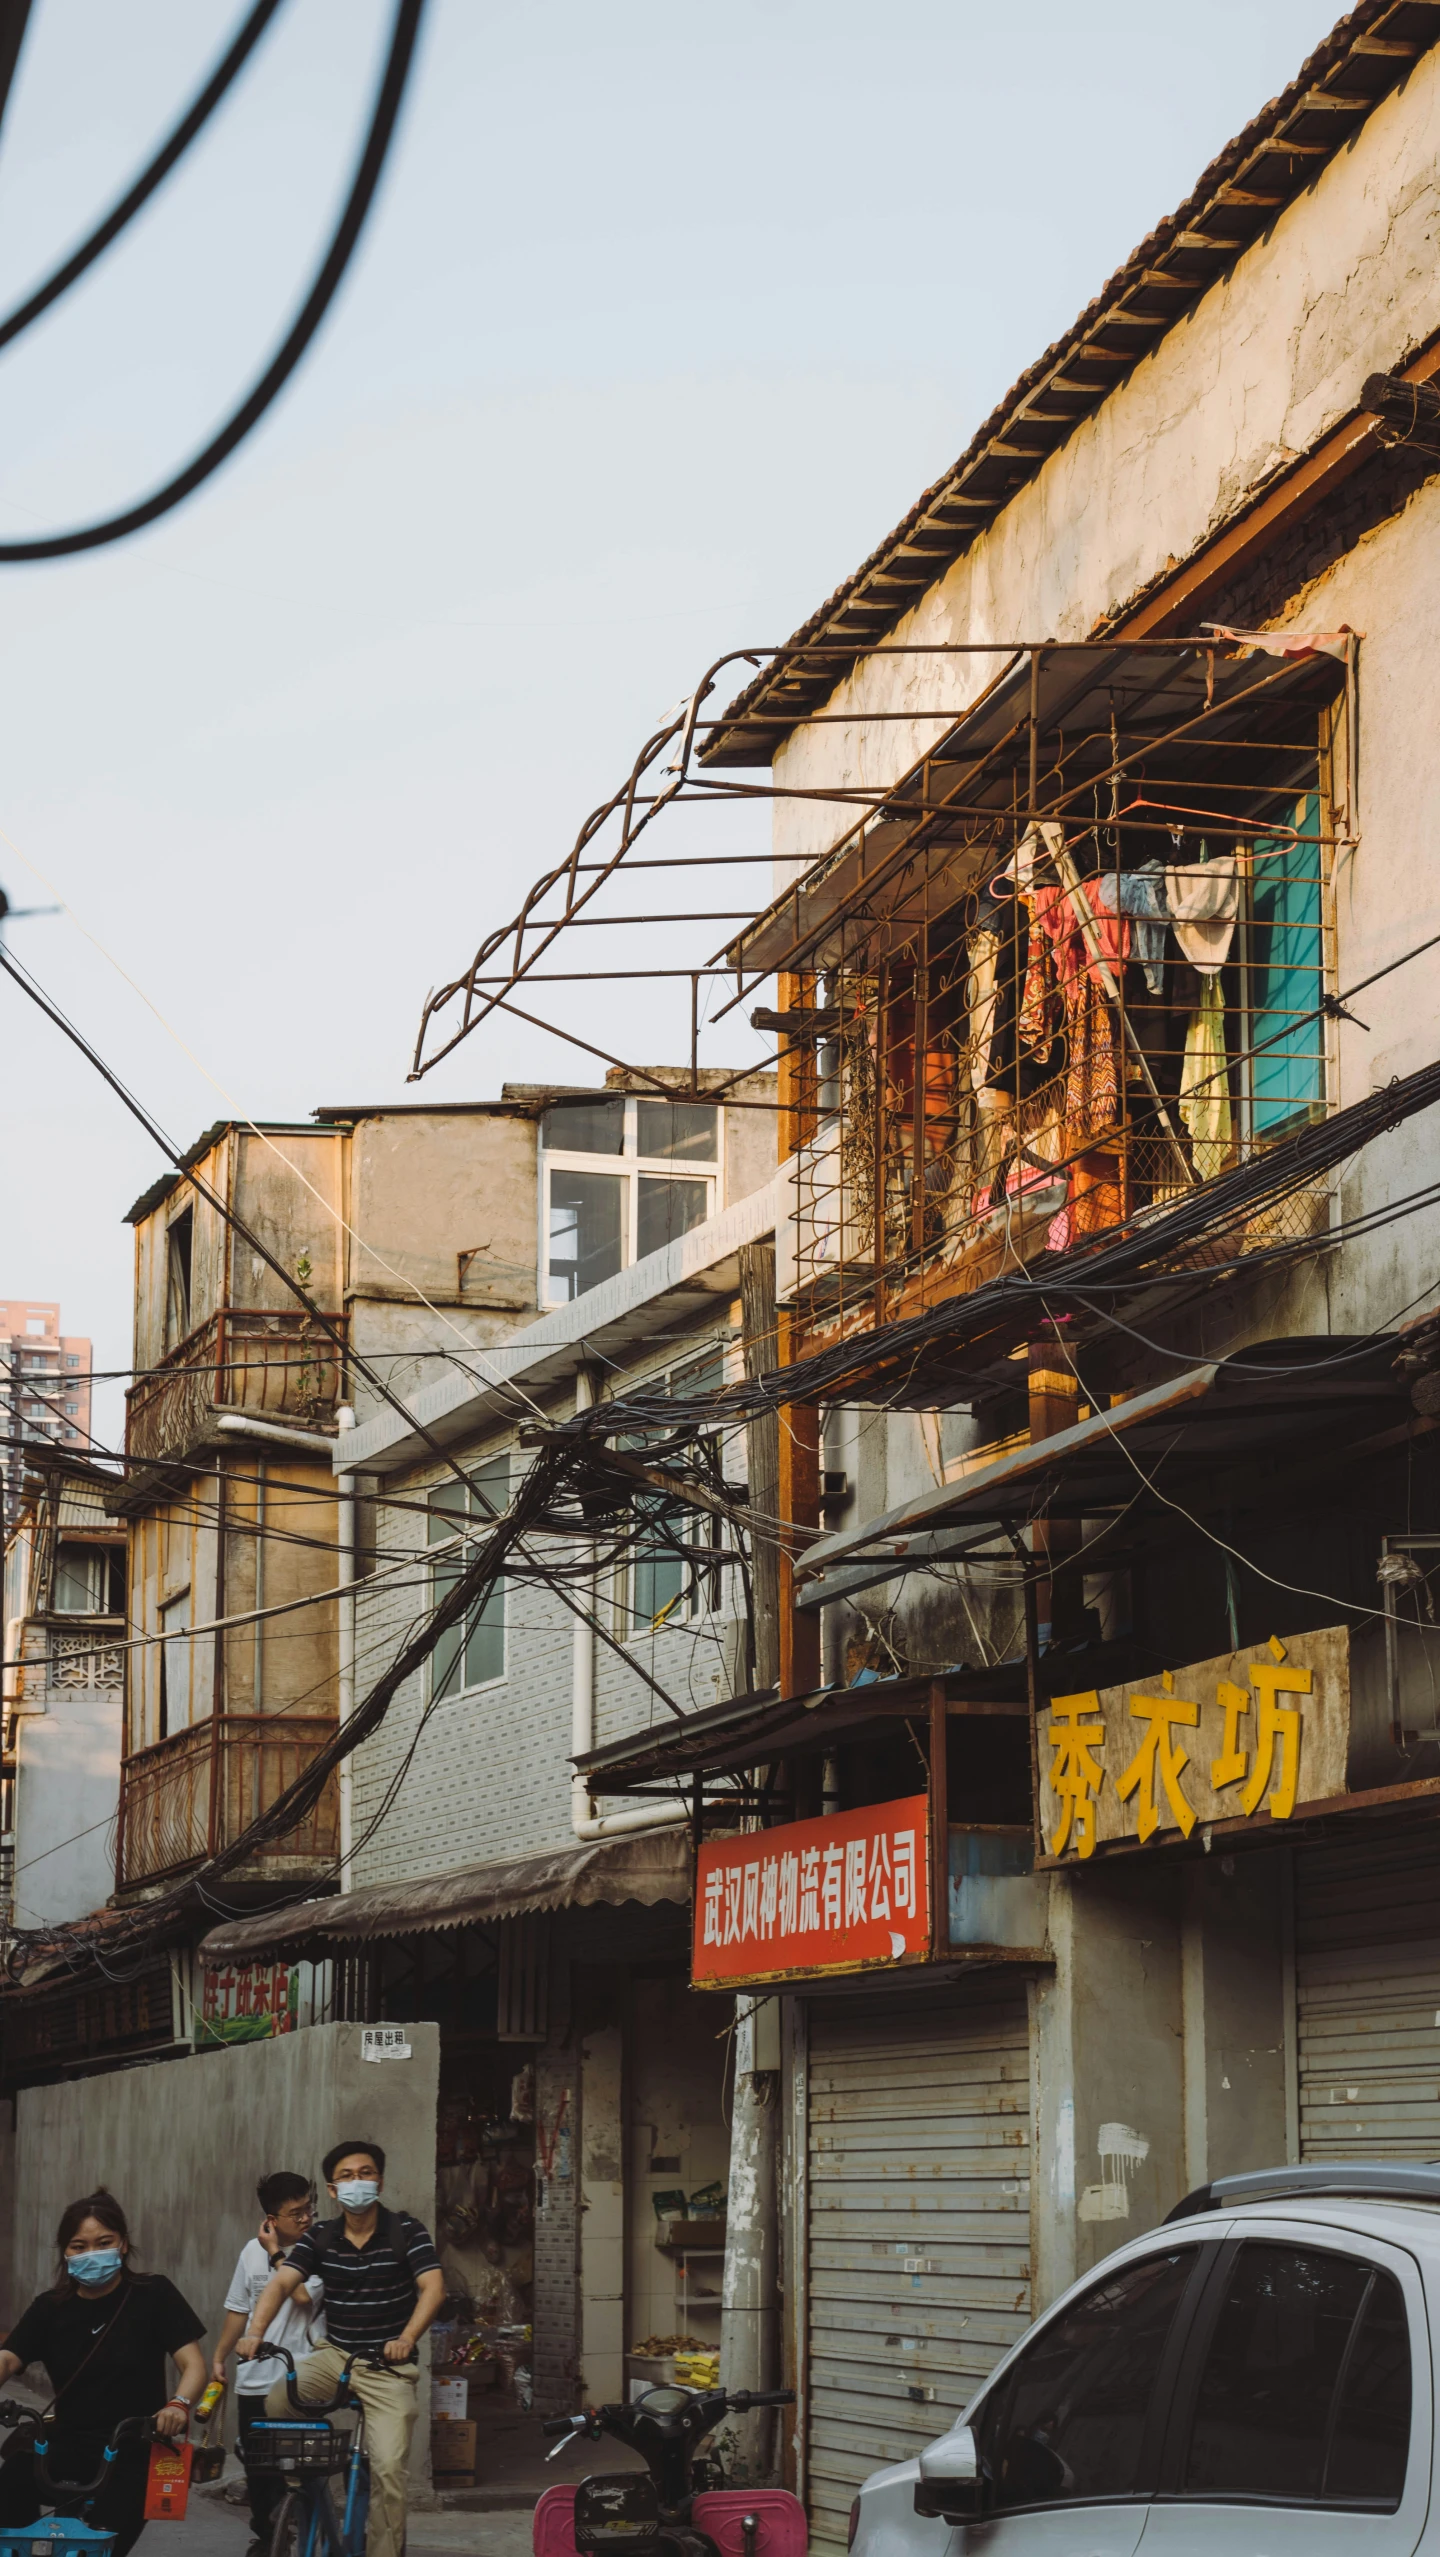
{"x": 66, "y": 1791}
{"x": 425, "y": 1189}
{"x": 1346, "y": 283}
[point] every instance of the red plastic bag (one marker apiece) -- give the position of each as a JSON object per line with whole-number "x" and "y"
{"x": 167, "y": 2488}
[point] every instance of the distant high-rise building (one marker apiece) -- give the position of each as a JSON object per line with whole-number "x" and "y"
{"x": 44, "y": 1388}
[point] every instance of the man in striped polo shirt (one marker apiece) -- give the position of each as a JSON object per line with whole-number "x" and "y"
{"x": 383, "y": 2285}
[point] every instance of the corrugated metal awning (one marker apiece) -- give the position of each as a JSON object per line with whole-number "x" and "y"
{"x": 647, "y": 1868}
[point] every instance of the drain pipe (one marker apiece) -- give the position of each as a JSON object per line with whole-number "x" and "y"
{"x": 345, "y": 1648}
{"x": 586, "y": 1822}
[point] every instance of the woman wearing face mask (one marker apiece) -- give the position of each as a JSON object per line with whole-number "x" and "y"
{"x": 102, "y": 2335}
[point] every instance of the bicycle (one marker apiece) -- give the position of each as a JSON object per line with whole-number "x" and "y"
{"x": 68, "y": 2527}
{"x": 319, "y": 2517}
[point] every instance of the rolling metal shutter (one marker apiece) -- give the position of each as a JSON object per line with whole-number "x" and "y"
{"x": 918, "y": 2215}
{"x": 1367, "y": 1981}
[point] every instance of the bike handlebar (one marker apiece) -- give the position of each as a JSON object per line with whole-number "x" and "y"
{"x": 369, "y": 2354}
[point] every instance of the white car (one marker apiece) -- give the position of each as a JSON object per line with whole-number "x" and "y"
{"x": 1256, "y": 2377}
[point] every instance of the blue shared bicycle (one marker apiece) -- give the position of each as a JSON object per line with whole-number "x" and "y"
{"x": 323, "y": 2465}
{"x": 67, "y": 2530}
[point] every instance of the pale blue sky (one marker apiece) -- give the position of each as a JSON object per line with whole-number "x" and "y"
{"x": 664, "y": 316}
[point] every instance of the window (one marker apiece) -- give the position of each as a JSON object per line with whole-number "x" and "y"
{"x": 179, "y": 1239}
{"x": 1288, "y": 976}
{"x": 82, "y": 1581}
{"x": 595, "y": 1223}
{"x": 471, "y": 1653}
{"x": 1070, "y": 2421}
{"x": 586, "y": 1230}
{"x": 671, "y": 1573}
{"x": 1304, "y": 2396}
{"x": 175, "y": 1653}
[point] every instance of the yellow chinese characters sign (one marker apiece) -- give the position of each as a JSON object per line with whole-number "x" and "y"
{"x": 1255, "y": 1732}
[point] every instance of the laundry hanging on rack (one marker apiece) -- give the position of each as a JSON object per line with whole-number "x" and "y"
{"x": 1205, "y": 1082}
{"x": 1139, "y": 895}
{"x": 1203, "y": 899}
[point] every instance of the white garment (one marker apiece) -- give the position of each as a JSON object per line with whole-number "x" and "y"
{"x": 1203, "y": 898}
{"x": 298, "y": 2327}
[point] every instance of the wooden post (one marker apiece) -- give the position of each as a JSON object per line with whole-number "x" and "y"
{"x": 762, "y": 1455}
{"x": 939, "y": 1820}
{"x": 1054, "y": 1405}
{"x": 799, "y": 1455}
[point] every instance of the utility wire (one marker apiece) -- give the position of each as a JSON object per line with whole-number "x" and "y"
{"x": 277, "y": 373}
{"x": 173, "y": 149}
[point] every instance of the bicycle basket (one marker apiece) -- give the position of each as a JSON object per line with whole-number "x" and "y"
{"x": 295, "y": 2450}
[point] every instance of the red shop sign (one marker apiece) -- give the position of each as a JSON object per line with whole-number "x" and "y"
{"x": 842, "y": 1894}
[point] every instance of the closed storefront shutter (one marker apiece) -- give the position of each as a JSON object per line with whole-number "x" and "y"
{"x": 918, "y": 2213}
{"x": 1367, "y": 1981}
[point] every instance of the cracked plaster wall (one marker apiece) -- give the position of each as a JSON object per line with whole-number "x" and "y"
{"x": 1346, "y": 283}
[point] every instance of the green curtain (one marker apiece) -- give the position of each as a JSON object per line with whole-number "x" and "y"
{"x": 1286, "y": 975}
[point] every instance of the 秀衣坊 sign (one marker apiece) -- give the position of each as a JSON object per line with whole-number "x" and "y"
{"x": 846, "y": 1893}
{"x": 1258, "y": 1731}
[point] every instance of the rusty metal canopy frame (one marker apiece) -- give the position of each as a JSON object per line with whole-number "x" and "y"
{"x": 922, "y": 1165}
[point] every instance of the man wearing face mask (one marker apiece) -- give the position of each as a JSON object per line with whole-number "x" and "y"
{"x": 383, "y": 2285}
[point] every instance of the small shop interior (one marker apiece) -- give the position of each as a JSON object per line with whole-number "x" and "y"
{"x": 612, "y": 1987}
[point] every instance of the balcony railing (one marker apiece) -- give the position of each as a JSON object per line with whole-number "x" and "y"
{"x": 190, "y": 1795}
{"x": 282, "y": 1365}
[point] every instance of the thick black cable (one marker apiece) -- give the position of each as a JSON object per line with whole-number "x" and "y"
{"x": 345, "y": 1352}
{"x": 177, "y": 143}
{"x": 272, "y": 381}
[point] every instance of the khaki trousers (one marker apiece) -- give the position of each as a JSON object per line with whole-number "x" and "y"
{"x": 389, "y": 2398}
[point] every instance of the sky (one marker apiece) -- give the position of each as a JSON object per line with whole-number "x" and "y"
{"x": 663, "y": 317}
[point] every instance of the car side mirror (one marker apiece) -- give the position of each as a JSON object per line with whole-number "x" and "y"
{"x": 953, "y": 2478}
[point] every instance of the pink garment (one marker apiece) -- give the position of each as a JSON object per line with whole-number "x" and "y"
{"x": 1055, "y": 913}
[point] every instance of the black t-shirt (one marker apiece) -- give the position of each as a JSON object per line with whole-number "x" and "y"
{"x": 131, "y": 2330}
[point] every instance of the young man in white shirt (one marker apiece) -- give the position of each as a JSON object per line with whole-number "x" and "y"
{"x": 300, "y": 2325}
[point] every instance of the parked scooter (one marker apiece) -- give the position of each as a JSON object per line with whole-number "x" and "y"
{"x": 668, "y": 2508}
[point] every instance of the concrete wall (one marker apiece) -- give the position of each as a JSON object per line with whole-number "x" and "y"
{"x": 67, "y": 1788}
{"x": 182, "y": 2142}
{"x": 1159, "y": 2047}
{"x": 1345, "y": 283}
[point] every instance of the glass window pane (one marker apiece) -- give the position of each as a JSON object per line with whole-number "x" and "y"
{"x": 677, "y": 1131}
{"x": 1287, "y": 975}
{"x": 584, "y": 1127}
{"x": 472, "y": 1651}
{"x": 78, "y": 1581}
{"x": 1370, "y": 2443}
{"x": 586, "y": 1230}
{"x": 659, "y": 1570}
{"x": 1262, "y": 2415}
{"x": 1068, "y": 2422}
{"x": 669, "y": 1209}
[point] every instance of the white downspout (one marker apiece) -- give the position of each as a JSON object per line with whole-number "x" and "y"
{"x": 345, "y": 1649}
{"x": 588, "y": 1823}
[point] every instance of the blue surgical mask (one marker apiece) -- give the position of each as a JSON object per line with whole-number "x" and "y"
{"x": 357, "y": 2194}
{"x": 94, "y": 2270}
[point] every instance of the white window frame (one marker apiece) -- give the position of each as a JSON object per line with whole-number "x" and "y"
{"x": 449, "y": 1551}
{"x": 627, "y": 1167}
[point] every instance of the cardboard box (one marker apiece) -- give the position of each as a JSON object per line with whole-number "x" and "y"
{"x": 452, "y": 2447}
{"x": 449, "y": 2399}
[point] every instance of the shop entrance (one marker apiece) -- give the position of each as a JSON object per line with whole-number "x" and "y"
{"x": 485, "y": 2233}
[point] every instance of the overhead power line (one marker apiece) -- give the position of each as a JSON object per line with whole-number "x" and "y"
{"x": 277, "y": 373}
{"x": 172, "y": 149}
